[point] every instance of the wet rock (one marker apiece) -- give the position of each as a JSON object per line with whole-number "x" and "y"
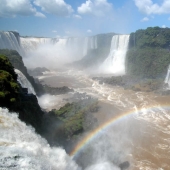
{"x": 124, "y": 165}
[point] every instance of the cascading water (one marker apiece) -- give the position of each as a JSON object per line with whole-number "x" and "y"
{"x": 115, "y": 62}
{"x": 10, "y": 40}
{"x": 32, "y": 43}
{"x": 21, "y": 148}
{"x": 167, "y": 79}
{"x": 24, "y": 82}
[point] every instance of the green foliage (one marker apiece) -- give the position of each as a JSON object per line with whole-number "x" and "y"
{"x": 151, "y": 37}
{"x": 9, "y": 87}
{"x": 149, "y": 53}
{"x": 17, "y": 62}
{"x": 12, "y": 97}
{"x": 70, "y": 120}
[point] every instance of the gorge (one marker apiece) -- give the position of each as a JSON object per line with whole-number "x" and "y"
{"x": 116, "y": 115}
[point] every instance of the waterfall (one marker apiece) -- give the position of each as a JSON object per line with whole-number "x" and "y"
{"x": 21, "y": 148}
{"x": 32, "y": 43}
{"x": 115, "y": 62}
{"x": 10, "y": 40}
{"x": 24, "y": 82}
{"x": 167, "y": 79}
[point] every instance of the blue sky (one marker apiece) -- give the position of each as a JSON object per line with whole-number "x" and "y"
{"x": 62, "y": 18}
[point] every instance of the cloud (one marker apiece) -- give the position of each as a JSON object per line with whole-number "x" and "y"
{"x": 39, "y": 14}
{"x": 95, "y": 7}
{"x": 77, "y": 16}
{"x": 89, "y": 31}
{"x": 55, "y": 7}
{"x": 54, "y": 31}
{"x": 17, "y": 7}
{"x": 145, "y": 19}
{"x": 163, "y": 26}
{"x": 148, "y": 7}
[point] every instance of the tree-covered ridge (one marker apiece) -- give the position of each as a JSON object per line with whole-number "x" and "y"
{"x": 149, "y": 53}
{"x": 9, "y": 87}
{"x": 151, "y": 37}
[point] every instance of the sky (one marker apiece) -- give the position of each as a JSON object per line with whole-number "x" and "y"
{"x": 66, "y": 18}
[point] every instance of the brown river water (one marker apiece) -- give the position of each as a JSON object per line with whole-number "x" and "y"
{"x": 140, "y": 136}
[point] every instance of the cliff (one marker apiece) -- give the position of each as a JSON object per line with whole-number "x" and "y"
{"x": 149, "y": 53}
{"x": 16, "y": 98}
{"x": 96, "y": 56}
{"x": 17, "y": 62}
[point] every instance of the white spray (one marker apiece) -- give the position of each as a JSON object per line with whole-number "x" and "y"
{"x": 22, "y": 148}
{"x": 115, "y": 62}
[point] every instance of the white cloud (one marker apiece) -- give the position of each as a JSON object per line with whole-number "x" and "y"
{"x": 163, "y": 26}
{"x": 95, "y": 7}
{"x": 77, "y": 16}
{"x": 56, "y": 7}
{"x": 54, "y": 31}
{"x": 145, "y": 19}
{"x": 89, "y": 31}
{"x": 148, "y": 7}
{"x": 11, "y": 8}
{"x": 39, "y": 14}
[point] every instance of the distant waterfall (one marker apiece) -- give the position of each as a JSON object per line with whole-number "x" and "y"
{"x": 24, "y": 82}
{"x": 10, "y": 40}
{"x": 167, "y": 79}
{"x": 21, "y": 148}
{"x": 115, "y": 62}
{"x": 81, "y": 45}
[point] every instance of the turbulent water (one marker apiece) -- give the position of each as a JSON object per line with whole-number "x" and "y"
{"x": 22, "y": 149}
{"x": 115, "y": 62}
{"x": 140, "y": 137}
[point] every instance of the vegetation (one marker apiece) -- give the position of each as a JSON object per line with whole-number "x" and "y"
{"x": 149, "y": 53}
{"x": 17, "y": 62}
{"x": 9, "y": 87}
{"x": 13, "y": 96}
{"x": 70, "y": 120}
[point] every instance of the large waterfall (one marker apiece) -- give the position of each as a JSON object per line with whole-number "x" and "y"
{"x": 10, "y": 40}
{"x": 21, "y": 148}
{"x": 32, "y": 43}
{"x": 76, "y": 47}
{"x": 24, "y": 82}
{"x": 115, "y": 62}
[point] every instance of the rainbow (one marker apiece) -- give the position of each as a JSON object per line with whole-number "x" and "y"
{"x": 87, "y": 139}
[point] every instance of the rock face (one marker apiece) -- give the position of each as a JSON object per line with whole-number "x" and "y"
{"x": 16, "y": 98}
{"x": 96, "y": 55}
{"x": 124, "y": 165}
